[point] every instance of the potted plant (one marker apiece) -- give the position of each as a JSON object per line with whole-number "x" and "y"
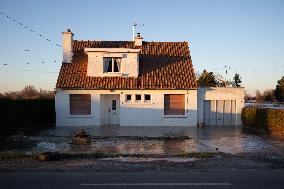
{"x": 81, "y": 137}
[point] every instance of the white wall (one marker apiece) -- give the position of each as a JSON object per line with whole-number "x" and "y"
{"x": 131, "y": 113}
{"x": 63, "y": 117}
{"x": 220, "y": 93}
{"x": 152, "y": 114}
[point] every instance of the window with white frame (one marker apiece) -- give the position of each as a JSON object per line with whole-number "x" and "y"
{"x": 128, "y": 98}
{"x": 138, "y": 97}
{"x": 112, "y": 65}
{"x": 147, "y": 98}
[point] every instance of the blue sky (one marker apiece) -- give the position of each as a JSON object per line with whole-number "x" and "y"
{"x": 246, "y": 35}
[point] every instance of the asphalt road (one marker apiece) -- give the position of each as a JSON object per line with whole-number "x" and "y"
{"x": 253, "y": 178}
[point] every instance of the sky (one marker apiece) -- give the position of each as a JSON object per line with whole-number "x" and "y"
{"x": 245, "y": 35}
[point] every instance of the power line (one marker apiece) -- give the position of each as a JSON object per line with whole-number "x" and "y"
{"x": 27, "y": 28}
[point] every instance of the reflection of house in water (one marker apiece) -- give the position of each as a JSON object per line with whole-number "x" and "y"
{"x": 137, "y": 83}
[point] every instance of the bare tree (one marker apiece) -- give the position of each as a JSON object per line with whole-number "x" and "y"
{"x": 268, "y": 95}
{"x": 29, "y": 92}
{"x": 258, "y": 97}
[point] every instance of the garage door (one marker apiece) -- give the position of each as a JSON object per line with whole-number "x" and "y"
{"x": 219, "y": 112}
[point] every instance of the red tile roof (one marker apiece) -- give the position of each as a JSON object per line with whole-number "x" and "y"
{"x": 162, "y": 65}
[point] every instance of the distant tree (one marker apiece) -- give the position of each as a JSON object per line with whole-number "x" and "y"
{"x": 29, "y": 92}
{"x": 237, "y": 80}
{"x": 207, "y": 79}
{"x": 46, "y": 94}
{"x": 258, "y": 96}
{"x": 248, "y": 97}
{"x": 279, "y": 91}
{"x": 221, "y": 82}
{"x": 12, "y": 95}
{"x": 268, "y": 95}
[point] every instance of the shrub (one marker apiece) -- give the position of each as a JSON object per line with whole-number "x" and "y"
{"x": 26, "y": 114}
{"x": 271, "y": 120}
{"x": 248, "y": 116}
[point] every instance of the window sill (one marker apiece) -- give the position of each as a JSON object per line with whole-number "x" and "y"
{"x": 175, "y": 116}
{"x": 106, "y": 74}
{"x": 78, "y": 116}
{"x": 138, "y": 103}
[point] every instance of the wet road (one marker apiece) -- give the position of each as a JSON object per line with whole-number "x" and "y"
{"x": 268, "y": 178}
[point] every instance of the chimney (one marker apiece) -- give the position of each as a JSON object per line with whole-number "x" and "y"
{"x": 67, "y": 43}
{"x": 138, "y": 40}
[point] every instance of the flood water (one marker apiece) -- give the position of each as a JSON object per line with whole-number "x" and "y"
{"x": 125, "y": 141}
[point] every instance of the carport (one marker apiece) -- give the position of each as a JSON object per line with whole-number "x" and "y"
{"x": 220, "y": 106}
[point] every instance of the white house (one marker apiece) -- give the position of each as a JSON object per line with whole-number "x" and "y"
{"x": 132, "y": 83}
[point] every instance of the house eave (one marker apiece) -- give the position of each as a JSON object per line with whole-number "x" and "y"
{"x": 112, "y": 50}
{"x": 96, "y": 89}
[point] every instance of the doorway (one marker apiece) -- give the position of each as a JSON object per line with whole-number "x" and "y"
{"x": 110, "y": 105}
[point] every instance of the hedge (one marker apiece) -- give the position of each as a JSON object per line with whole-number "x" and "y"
{"x": 26, "y": 114}
{"x": 265, "y": 119}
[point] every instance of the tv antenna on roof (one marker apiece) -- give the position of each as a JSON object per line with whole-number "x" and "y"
{"x": 133, "y": 29}
{"x": 227, "y": 68}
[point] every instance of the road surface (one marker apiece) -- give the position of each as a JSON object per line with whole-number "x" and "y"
{"x": 228, "y": 178}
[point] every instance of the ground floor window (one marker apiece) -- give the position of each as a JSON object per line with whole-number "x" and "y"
{"x": 147, "y": 98}
{"x": 80, "y": 104}
{"x": 174, "y": 104}
{"x": 138, "y": 97}
{"x": 128, "y": 98}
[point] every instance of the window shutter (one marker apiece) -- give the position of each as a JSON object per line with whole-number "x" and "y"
{"x": 80, "y": 104}
{"x": 174, "y": 104}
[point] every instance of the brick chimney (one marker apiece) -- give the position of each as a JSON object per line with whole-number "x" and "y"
{"x": 67, "y": 43}
{"x": 138, "y": 40}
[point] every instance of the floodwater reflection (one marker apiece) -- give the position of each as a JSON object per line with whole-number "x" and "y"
{"x": 166, "y": 141}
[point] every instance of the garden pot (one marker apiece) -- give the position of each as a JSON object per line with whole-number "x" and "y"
{"x": 81, "y": 140}
{"x": 49, "y": 156}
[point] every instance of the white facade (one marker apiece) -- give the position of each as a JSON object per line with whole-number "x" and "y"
{"x": 222, "y": 103}
{"x": 128, "y": 113}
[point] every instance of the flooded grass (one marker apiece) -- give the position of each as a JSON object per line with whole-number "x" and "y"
{"x": 143, "y": 137}
{"x": 204, "y": 142}
{"x": 198, "y": 155}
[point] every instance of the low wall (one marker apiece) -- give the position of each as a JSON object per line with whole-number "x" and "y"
{"x": 264, "y": 119}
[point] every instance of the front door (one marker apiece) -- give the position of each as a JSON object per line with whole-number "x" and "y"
{"x": 113, "y": 110}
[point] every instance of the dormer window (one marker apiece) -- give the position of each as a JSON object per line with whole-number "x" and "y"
{"x": 112, "y": 64}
